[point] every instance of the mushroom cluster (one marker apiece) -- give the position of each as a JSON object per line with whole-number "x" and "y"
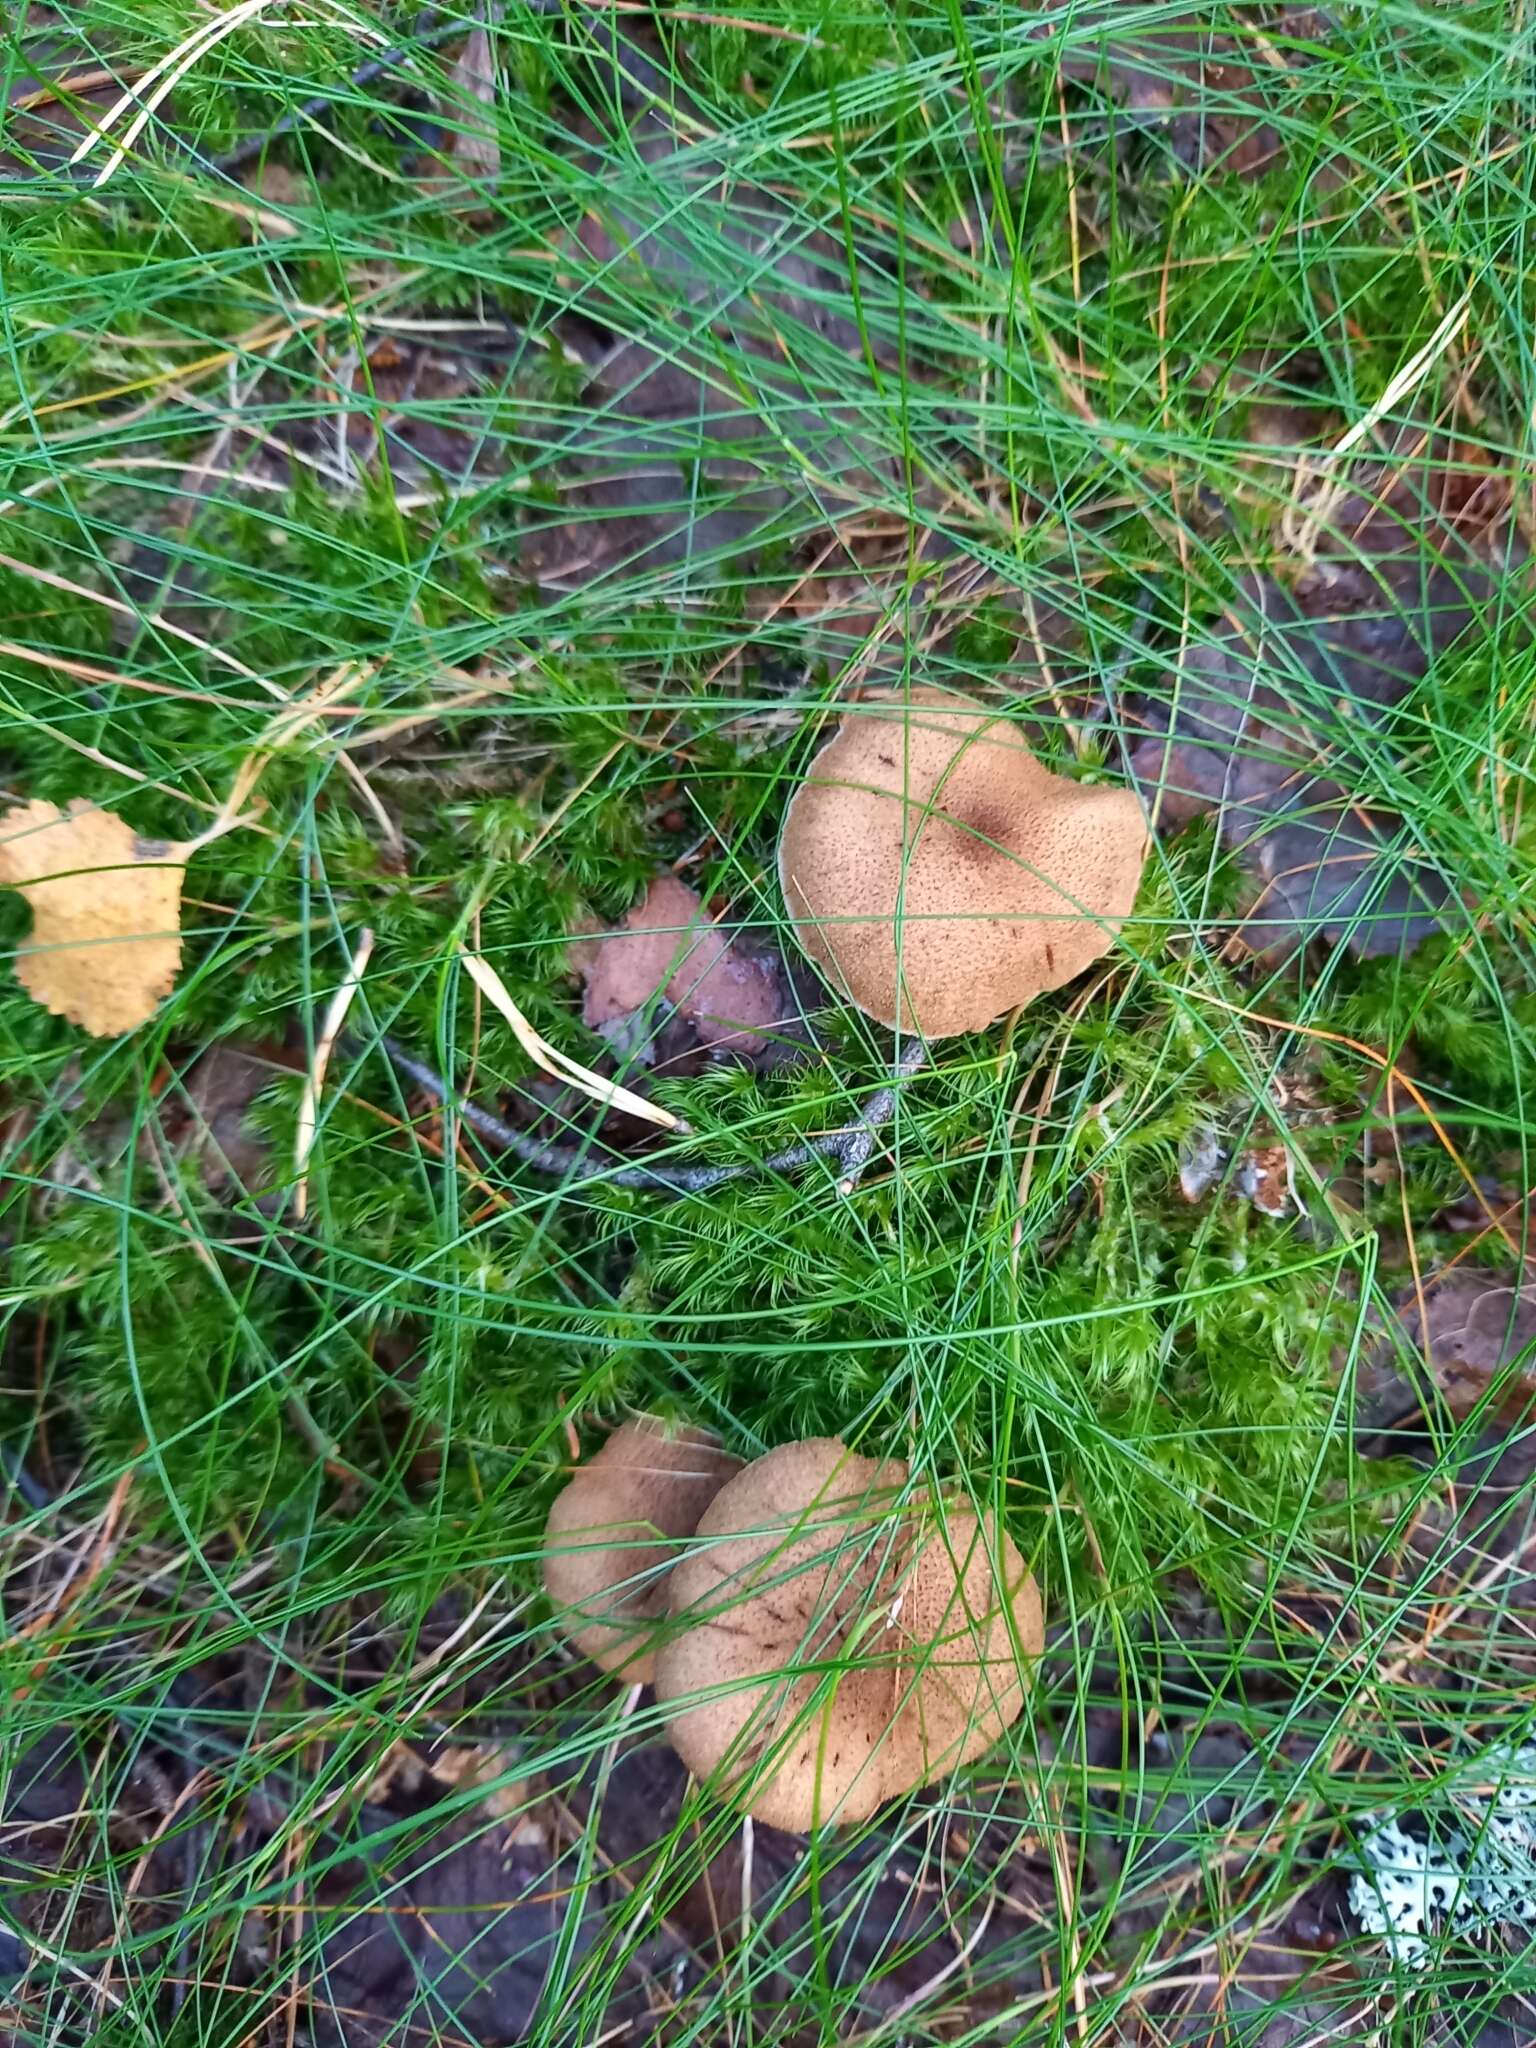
{"x": 939, "y": 876}
{"x": 833, "y": 1637}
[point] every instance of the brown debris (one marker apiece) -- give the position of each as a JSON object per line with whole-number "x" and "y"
{"x": 472, "y": 150}
{"x": 59, "y": 85}
{"x": 677, "y": 462}
{"x": 1264, "y": 1178}
{"x": 1255, "y": 720}
{"x": 1261, "y": 1174}
{"x": 475, "y": 145}
{"x": 891, "y": 1905}
{"x": 669, "y": 952}
{"x": 868, "y": 618}
{"x": 464, "y": 1923}
{"x": 482, "y": 1767}
{"x": 1474, "y": 1332}
{"x": 1210, "y": 92}
{"x": 628, "y": 969}
{"x": 208, "y": 1118}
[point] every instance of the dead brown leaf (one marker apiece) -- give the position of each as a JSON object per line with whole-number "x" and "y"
{"x": 475, "y": 146}
{"x": 894, "y": 1913}
{"x": 482, "y": 1766}
{"x": 470, "y": 150}
{"x": 206, "y": 1115}
{"x": 1264, "y": 1178}
{"x": 58, "y": 83}
{"x": 1474, "y": 1331}
{"x": 1261, "y": 1174}
{"x": 456, "y": 1920}
{"x": 106, "y": 913}
{"x": 1210, "y": 87}
{"x": 669, "y": 951}
{"x": 659, "y": 411}
{"x": 1266, "y": 722}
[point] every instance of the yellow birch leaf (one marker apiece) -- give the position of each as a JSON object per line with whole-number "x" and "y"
{"x": 106, "y": 913}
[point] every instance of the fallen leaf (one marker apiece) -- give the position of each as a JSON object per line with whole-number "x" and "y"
{"x": 872, "y": 620}
{"x": 675, "y": 456}
{"x": 1273, "y": 404}
{"x": 1260, "y": 1175}
{"x": 1469, "y": 1215}
{"x": 106, "y": 913}
{"x": 475, "y": 145}
{"x": 1211, "y": 94}
{"x": 668, "y": 951}
{"x": 276, "y": 185}
{"x": 1460, "y": 1597}
{"x": 1257, "y": 720}
{"x": 43, "y": 1798}
{"x": 892, "y": 1912}
{"x": 415, "y": 413}
{"x": 628, "y": 968}
{"x": 1473, "y": 1332}
{"x": 207, "y": 1116}
{"x": 464, "y": 145}
{"x": 1202, "y": 1160}
{"x": 1263, "y": 1177}
{"x": 470, "y": 1767}
{"x": 400, "y": 1770}
{"x": 453, "y": 1921}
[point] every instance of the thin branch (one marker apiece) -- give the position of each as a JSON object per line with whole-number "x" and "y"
{"x": 638, "y": 82}
{"x": 426, "y": 33}
{"x": 850, "y": 1149}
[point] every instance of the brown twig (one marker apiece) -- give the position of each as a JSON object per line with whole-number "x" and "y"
{"x": 850, "y": 1149}
{"x": 69, "y": 1596}
{"x": 426, "y": 32}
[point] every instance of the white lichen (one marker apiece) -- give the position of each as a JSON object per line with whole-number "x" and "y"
{"x": 1471, "y": 1876}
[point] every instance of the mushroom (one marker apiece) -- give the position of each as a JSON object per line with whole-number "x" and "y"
{"x": 838, "y": 1642}
{"x": 615, "y": 1531}
{"x": 939, "y": 876}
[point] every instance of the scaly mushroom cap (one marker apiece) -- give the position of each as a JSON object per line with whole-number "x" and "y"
{"x": 867, "y": 1640}
{"x": 929, "y": 815}
{"x": 615, "y": 1531}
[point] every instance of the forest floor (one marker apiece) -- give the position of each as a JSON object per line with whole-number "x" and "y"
{"x": 453, "y": 464}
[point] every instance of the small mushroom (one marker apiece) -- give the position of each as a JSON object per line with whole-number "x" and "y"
{"x": 939, "y": 876}
{"x": 838, "y": 1643}
{"x": 615, "y": 1531}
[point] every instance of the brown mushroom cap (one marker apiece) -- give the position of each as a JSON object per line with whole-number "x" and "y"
{"x": 615, "y": 1531}
{"x": 810, "y": 1559}
{"x": 1008, "y": 880}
